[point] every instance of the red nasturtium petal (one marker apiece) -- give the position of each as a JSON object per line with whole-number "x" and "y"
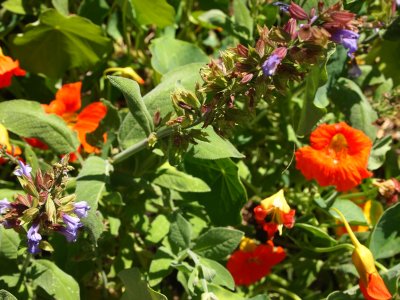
{"x": 375, "y": 289}
{"x": 87, "y": 121}
{"x": 70, "y": 95}
{"x": 8, "y": 69}
{"x": 34, "y": 142}
{"x": 247, "y": 267}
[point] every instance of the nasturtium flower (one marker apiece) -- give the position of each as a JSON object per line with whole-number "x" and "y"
{"x": 338, "y": 156}
{"x": 371, "y": 283}
{"x": 278, "y": 212}
{"x": 253, "y": 261}
{"x": 34, "y": 238}
{"x": 347, "y": 38}
{"x": 8, "y": 69}
{"x": 5, "y": 142}
{"x": 67, "y": 103}
{"x": 23, "y": 170}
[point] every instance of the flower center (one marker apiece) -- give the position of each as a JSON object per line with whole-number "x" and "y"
{"x": 338, "y": 147}
{"x": 248, "y": 245}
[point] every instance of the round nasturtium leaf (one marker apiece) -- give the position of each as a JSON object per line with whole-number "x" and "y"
{"x": 58, "y": 43}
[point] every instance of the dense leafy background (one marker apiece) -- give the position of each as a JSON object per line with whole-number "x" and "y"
{"x": 164, "y": 221}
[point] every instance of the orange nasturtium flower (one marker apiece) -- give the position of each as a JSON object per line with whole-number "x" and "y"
{"x": 278, "y": 213}
{"x": 253, "y": 261}
{"x": 5, "y": 142}
{"x": 8, "y": 69}
{"x": 371, "y": 283}
{"x": 338, "y": 156}
{"x": 66, "y": 105}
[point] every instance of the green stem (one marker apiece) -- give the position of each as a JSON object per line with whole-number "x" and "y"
{"x": 23, "y": 271}
{"x": 380, "y": 266}
{"x": 356, "y": 195}
{"x": 332, "y": 249}
{"x": 353, "y": 238}
{"x": 276, "y": 278}
{"x": 285, "y": 292}
{"x": 143, "y": 144}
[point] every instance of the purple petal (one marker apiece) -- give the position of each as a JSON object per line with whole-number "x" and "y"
{"x": 71, "y": 236}
{"x": 81, "y": 209}
{"x": 33, "y": 233}
{"x": 4, "y": 206}
{"x": 33, "y": 247}
{"x": 347, "y": 38}
{"x": 24, "y": 170}
{"x": 270, "y": 65}
{"x": 72, "y": 223}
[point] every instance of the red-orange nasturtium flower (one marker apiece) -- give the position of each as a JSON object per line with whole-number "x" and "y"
{"x": 66, "y": 105}
{"x": 371, "y": 283}
{"x": 5, "y": 142}
{"x": 338, "y": 156}
{"x": 253, "y": 261}
{"x": 277, "y": 211}
{"x": 8, "y": 69}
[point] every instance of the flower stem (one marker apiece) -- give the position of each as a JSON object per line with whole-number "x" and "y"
{"x": 23, "y": 271}
{"x": 353, "y": 238}
{"x": 285, "y": 292}
{"x": 143, "y": 144}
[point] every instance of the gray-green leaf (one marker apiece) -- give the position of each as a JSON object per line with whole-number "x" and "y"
{"x": 28, "y": 119}
{"x": 54, "y": 281}
{"x": 136, "y": 288}
{"x": 90, "y": 185}
{"x": 131, "y": 91}
{"x": 164, "y": 60}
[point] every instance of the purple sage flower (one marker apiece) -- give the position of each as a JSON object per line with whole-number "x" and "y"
{"x": 23, "y": 170}
{"x": 71, "y": 236}
{"x": 347, "y": 38}
{"x": 269, "y": 66}
{"x": 81, "y": 209}
{"x": 72, "y": 223}
{"x": 34, "y": 238}
{"x": 282, "y": 6}
{"x": 4, "y": 206}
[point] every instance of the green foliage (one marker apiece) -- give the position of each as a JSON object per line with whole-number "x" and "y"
{"x": 217, "y": 243}
{"x": 28, "y": 119}
{"x": 168, "y": 54}
{"x": 170, "y": 177}
{"x": 197, "y": 132}
{"x": 9, "y": 242}
{"x": 4, "y": 295}
{"x": 53, "y": 280}
{"x": 136, "y": 288}
{"x": 349, "y": 97}
{"x": 157, "y": 12}
{"x": 227, "y": 192}
{"x": 138, "y": 109}
{"x": 83, "y": 44}
{"x": 90, "y": 186}
{"x": 384, "y": 240}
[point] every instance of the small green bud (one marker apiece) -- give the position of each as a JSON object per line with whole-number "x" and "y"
{"x": 67, "y": 199}
{"x": 51, "y": 210}
{"x": 29, "y": 215}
